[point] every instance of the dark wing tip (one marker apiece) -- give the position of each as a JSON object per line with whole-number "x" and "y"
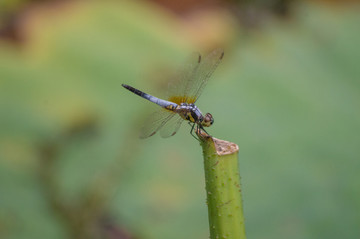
{"x": 144, "y": 136}
{"x": 199, "y": 60}
{"x": 219, "y": 51}
{"x": 222, "y": 55}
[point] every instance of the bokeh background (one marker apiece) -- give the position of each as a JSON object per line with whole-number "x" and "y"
{"x": 287, "y": 92}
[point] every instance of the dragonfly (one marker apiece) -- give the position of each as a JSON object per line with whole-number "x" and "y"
{"x": 183, "y": 91}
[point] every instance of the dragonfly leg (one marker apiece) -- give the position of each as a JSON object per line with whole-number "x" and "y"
{"x": 202, "y": 128}
{"x": 192, "y": 130}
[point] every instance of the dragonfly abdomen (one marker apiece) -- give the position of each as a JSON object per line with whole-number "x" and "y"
{"x": 136, "y": 91}
{"x": 163, "y": 103}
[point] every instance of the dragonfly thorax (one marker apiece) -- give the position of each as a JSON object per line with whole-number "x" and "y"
{"x": 193, "y": 114}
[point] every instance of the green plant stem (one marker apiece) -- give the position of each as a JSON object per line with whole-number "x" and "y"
{"x": 226, "y": 219}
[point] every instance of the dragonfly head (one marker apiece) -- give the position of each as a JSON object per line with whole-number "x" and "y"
{"x": 208, "y": 120}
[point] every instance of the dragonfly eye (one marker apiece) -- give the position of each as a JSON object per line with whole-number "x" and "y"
{"x": 208, "y": 120}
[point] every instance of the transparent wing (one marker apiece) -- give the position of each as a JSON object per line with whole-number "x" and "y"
{"x": 171, "y": 127}
{"x": 192, "y": 79}
{"x": 207, "y": 66}
{"x": 178, "y": 85}
{"x": 155, "y": 122}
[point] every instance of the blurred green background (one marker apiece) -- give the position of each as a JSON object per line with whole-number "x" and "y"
{"x": 287, "y": 92}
